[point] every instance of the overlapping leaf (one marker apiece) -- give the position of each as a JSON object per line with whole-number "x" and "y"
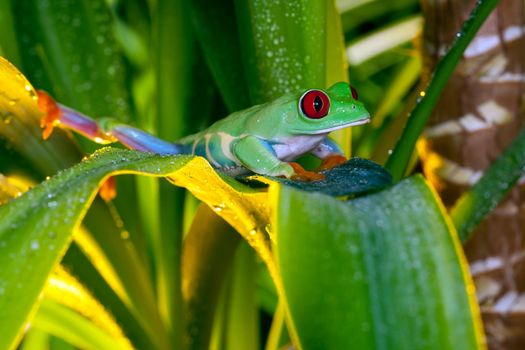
{"x": 384, "y": 271}
{"x": 36, "y": 228}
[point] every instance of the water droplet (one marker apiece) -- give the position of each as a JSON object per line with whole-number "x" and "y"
{"x": 35, "y": 245}
{"x": 422, "y": 93}
{"x": 7, "y": 117}
{"x": 218, "y": 208}
{"x": 124, "y": 234}
{"x": 253, "y": 231}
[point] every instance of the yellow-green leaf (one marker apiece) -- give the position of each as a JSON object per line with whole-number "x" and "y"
{"x": 35, "y": 229}
{"x": 384, "y": 271}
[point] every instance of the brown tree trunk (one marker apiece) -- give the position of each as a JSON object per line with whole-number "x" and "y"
{"x": 479, "y": 113}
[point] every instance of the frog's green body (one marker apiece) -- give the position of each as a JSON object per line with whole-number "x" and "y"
{"x": 261, "y": 139}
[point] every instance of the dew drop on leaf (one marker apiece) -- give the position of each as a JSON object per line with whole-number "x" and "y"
{"x": 35, "y": 245}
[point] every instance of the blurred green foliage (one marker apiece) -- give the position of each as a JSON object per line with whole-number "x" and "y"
{"x": 169, "y": 272}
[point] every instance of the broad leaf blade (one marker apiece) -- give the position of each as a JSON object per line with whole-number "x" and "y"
{"x": 387, "y": 269}
{"x": 35, "y": 229}
{"x": 283, "y": 45}
{"x": 219, "y": 39}
{"x": 70, "y": 50}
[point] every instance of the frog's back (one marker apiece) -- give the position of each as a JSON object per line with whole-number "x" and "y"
{"x": 233, "y": 125}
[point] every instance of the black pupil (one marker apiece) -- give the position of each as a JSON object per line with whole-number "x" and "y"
{"x": 318, "y": 103}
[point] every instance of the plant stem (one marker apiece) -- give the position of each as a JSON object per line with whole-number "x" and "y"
{"x": 485, "y": 195}
{"x": 398, "y": 161}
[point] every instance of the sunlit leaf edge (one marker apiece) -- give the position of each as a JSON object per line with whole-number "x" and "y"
{"x": 35, "y": 229}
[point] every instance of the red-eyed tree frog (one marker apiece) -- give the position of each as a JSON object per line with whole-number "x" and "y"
{"x": 263, "y": 139}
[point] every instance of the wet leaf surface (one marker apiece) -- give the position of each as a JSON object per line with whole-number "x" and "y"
{"x": 355, "y": 177}
{"x": 383, "y": 271}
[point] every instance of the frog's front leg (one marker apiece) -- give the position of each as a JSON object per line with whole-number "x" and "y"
{"x": 330, "y": 154}
{"x": 104, "y": 131}
{"x": 258, "y": 156}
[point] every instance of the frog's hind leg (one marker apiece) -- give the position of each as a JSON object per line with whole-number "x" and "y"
{"x": 142, "y": 141}
{"x": 104, "y": 131}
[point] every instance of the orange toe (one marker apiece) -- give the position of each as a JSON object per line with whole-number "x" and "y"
{"x": 50, "y": 113}
{"x": 332, "y": 161}
{"x": 304, "y": 175}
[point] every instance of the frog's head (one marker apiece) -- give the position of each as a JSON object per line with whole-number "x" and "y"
{"x": 320, "y": 112}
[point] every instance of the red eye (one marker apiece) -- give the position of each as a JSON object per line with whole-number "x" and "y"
{"x": 354, "y": 93}
{"x": 314, "y": 104}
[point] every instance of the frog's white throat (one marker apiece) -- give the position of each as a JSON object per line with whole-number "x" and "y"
{"x": 292, "y": 147}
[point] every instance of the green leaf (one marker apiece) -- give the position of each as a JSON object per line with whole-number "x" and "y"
{"x": 79, "y": 266}
{"x": 491, "y": 189}
{"x": 397, "y": 163}
{"x": 35, "y": 339}
{"x": 242, "y": 323}
{"x": 208, "y": 252}
{"x": 70, "y": 50}
{"x": 61, "y": 321}
{"x": 384, "y": 271}
{"x": 35, "y": 229}
{"x": 70, "y": 312}
{"x": 219, "y": 39}
{"x": 283, "y": 44}
{"x": 8, "y": 43}
{"x": 183, "y": 99}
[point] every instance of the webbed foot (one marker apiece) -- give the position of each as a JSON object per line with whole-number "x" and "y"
{"x": 50, "y": 113}
{"x": 301, "y": 174}
{"x": 332, "y": 161}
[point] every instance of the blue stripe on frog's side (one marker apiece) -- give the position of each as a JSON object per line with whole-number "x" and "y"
{"x": 218, "y": 145}
{"x": 199, "y": 148}
{"x": 213, "y": 147}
